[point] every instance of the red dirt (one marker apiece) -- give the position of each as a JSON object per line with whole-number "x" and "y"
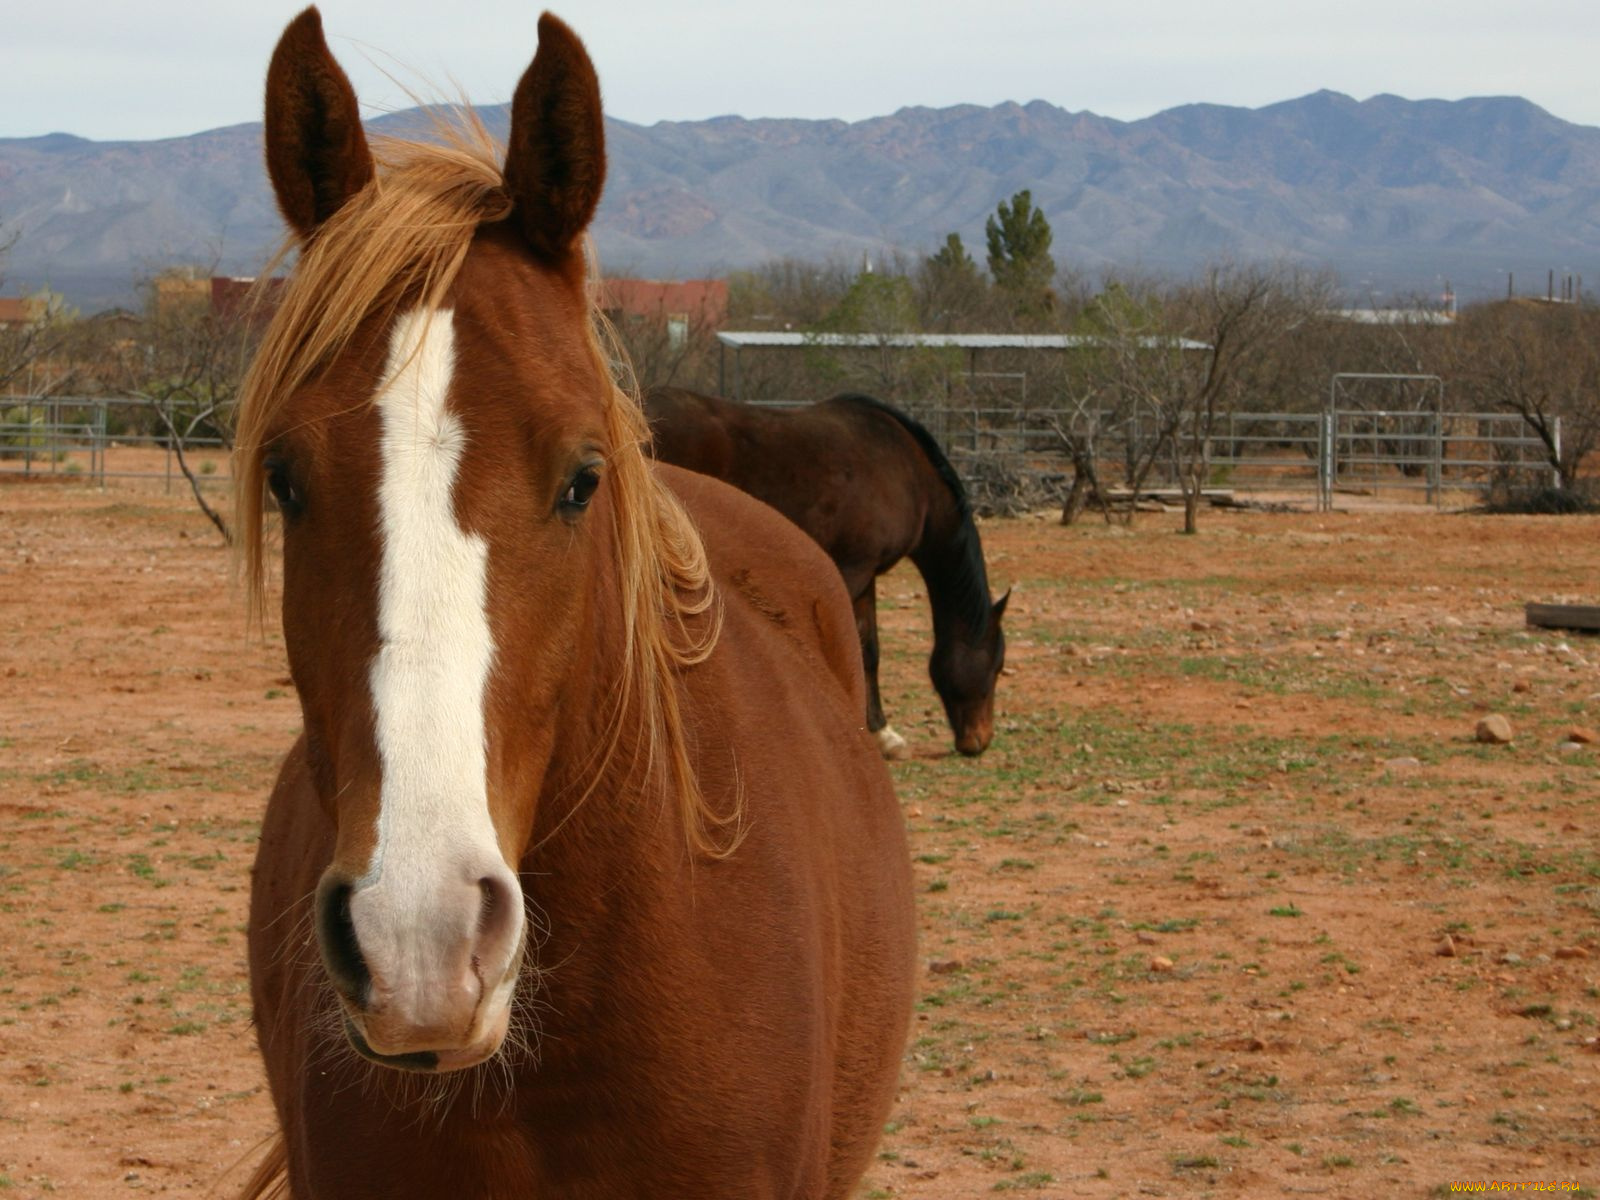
{"x": 1180, "y": 926}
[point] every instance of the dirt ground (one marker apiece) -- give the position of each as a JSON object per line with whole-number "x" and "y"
{"x": 1235, "y": 904}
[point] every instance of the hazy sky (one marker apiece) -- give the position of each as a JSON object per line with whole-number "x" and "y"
{"x": 158, "y": 68}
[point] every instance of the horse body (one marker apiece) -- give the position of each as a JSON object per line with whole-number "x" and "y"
{"x": 702, "y": 1028}
{"x": 581, "y": 880}
{"x": 871, "y": 487}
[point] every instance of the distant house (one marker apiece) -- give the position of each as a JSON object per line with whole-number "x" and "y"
{"x": 232, "y": 297}
{"x": 679, "y": 305}
{"x": 1395, "y": 316}
{"x": 177, "y": 291}
{"x": 19, "y": 311}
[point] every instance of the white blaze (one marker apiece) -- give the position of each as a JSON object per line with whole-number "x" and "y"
{"x": 435, "y": 650}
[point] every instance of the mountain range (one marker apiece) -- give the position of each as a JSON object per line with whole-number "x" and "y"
{"x": 1397, "y": 195}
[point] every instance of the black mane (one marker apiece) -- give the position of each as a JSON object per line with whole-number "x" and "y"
{"x": 967, "y": 575}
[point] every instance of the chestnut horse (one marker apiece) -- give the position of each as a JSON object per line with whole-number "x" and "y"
{"x": 583, "y": 879}
{"x": 871, "y": 486}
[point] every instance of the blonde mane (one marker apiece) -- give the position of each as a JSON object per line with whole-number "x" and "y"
{"x": 403, "y": 238}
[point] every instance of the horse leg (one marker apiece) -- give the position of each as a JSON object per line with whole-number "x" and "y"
{"x": 890, "y": 743}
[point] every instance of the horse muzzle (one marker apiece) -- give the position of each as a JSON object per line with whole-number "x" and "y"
{"x": 425, "y": 975}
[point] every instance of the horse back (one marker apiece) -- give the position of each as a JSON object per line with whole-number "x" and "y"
{"x": 845, "y": 471}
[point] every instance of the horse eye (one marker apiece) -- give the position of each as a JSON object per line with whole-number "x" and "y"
{"x": 282, "y": 487}
{"x": 576, "y": 498}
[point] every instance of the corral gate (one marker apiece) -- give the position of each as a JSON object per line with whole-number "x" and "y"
{"x": 1413, "y": 443}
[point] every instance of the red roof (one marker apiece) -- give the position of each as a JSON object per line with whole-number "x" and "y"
{"x": 16, "y": 310}
{"x": 702, "y": 299}
{"x": 231, "y": 296}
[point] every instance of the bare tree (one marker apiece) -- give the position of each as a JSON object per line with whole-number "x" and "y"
{"x": 1175, "y": 360}
{"x": 187, "y": 361}
{"x": 1237, "y": 314}
{"x": 35, "y": 353}
{"x": 1542, "y": 362}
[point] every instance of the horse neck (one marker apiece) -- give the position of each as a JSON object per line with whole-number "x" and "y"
{"x": 593, "y": 792}
{"x": 950, "y": 559}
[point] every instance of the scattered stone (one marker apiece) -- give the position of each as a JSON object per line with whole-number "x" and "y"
{"x": 1572, "y": 952}
{"x": 1570, "y": 747}
{"x": 1145, "y": 939}
{"x": 1511, "y": 958}
{"x": 1581, "y": 735}
{"x": 948, "y": 966}
{"x": 1161, "y": 964}
{"x": 1255, "y": 831}
{"x": 1405, "y": 762}
{"x": 1522, "y": 685}
{"x": 1447, "y": 947}
{"x": 1494, "y": 730}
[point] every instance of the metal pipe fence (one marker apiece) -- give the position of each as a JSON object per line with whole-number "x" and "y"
{"x": 1017, "y": 449}
{"x": 96, "y": 439}
{"x": 1306, "y": 457}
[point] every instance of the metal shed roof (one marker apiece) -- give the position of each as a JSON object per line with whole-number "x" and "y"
{"x": 905, "y": 341}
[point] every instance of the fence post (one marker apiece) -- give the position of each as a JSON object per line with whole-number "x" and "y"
{"x": 97, "y": 461}
{"x": 1436, "y": 467}
{"x": 1325, "y": 459}
{"x": 1555, "y": 472}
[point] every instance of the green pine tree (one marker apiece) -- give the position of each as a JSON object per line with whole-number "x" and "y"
{"x": 1019, "y": 251}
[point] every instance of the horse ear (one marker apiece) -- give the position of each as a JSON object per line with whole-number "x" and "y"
{"x": 998, "y": 610}
{"x": 317, "y": 154}
{"x": 556, "y": 160}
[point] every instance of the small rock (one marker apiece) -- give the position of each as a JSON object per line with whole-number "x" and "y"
{"x": 1572, "y": 952}
{"x": 1522, "y": 685}
{"x": 944, "y": 967}
{"x": 1569, "y": 747}
{"x": 1581, "y": 735}
{"x": 1145, "y": 939}
{"x": 1447, "y": 947}
{"x": 1405, "y": 762}
{"x": 1494, "y": 730}
{"x": 1255, "y": 831}
{"x": 1161, "y": 964}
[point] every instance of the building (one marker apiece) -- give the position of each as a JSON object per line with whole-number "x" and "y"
{"x": 679, "y": 305}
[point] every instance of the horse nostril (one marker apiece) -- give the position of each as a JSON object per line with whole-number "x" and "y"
{"x": 494, "y": 909}
{"x": 336, "y": 935}
{"x": 497, "y": 919}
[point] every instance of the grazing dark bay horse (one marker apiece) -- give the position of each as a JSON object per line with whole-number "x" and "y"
{"x": 582, "y": 880}
{"x": 871, "y": 487}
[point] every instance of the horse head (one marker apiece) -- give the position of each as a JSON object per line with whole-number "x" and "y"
{"x": 455, "y": 469}
{"x": 964, "y": 666}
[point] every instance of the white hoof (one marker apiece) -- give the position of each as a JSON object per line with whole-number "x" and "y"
{"x": 890, "y": 744}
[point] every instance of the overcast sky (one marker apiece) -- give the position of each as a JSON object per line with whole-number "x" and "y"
{"x": 161, "y": 68}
